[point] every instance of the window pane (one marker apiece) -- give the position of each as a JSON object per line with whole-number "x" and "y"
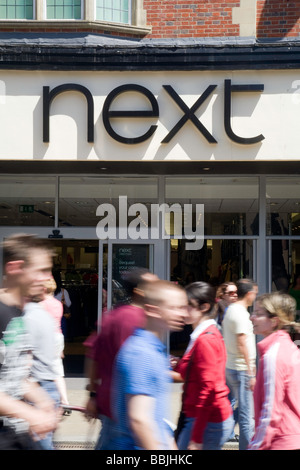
{"x": 27, "y": 200}
{"x": 217, "y": 262}
{"x": 113, "y": 10}
{"x": 16, "y": 9}
{"x": 283, "y": 206}
{"x": 230, "y": 204}
{"x": 64, "y": 9}
{"x": 81, "y": 196}
{"x": 76, "y": 265}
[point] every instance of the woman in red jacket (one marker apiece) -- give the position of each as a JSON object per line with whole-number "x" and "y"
{"x": 277, "y": 388}
{"x": 208, "y": 421}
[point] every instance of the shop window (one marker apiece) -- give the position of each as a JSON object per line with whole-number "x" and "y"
{"x": 117, "y": 11}
{"x": 64, "y": 9}
{"x": 220, "y": 260}
{"x": 27, "y": 201}
{"x": 16, "y": 9}
{"x": 283, "y": 222}
{"x": 80, "y": 197}
{"x": 283, "y": 205}
{"x": 230, "y": 203}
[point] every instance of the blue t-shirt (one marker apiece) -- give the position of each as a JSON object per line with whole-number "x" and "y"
{"x": 141, "y": 368}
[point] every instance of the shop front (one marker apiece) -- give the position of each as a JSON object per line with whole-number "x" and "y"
{"x": 250, "y": 229}
{"x": 191, "y": 172}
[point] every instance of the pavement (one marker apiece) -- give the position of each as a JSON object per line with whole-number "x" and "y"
{"x": 76, "y": 433}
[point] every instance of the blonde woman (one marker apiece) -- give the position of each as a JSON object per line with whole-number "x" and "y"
{"x": 277, "y": 389}
{"x": 55, "y": 308}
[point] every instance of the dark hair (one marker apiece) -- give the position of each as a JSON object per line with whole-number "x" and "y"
{"x": 202, "y": 293}
{"x": 221, "y": 290}
{"x": 57, "y": 279}
{"x": 244, "y": 286}
{"x": 131, "y": 279}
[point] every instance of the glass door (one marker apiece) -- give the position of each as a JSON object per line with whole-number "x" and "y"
{"x": 76, "y": 268}
{"x": 119, "y": 257}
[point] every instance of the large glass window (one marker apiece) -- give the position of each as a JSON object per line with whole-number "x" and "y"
{"x": 81, "y": 196}
{"x": 64, "y": 10}
{"x": 117, "y": 11}
{"x": 16, "y": 9}
{"x": 220, "y": 260}
{"x": 27, "y": 200}
{"x": 230, "y": 203}
{"x": 283, "y": 205}
{"x": 283, "y": 221}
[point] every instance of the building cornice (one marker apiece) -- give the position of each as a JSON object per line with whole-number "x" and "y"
{"x": 76, "y": 51}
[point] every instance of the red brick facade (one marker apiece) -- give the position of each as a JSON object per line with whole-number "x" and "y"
{"x": 209, "y": 18}
{"x": 189, "y": 18}
{"x": 278, "y": 18}
{"x": 202, "y": 18}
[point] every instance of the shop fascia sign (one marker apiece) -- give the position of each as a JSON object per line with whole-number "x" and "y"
{"x": 188, "y": 112}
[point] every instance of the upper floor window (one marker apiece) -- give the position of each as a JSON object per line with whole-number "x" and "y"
{"x": 119, "y": 16}
{"x": 64, "y": 9}
{"x": 16, "y": 9}
{"x": 116, "y": 11}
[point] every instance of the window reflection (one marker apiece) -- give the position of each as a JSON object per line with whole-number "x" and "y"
{"x": 283, "y": 206}
{"x": 27, "y": 201}
{"x": 217, "y": 262}
{"x": 81, "y": 196}
{"x": 230, "y": 204}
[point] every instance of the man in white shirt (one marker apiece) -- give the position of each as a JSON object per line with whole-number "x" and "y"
{"x": 241, "y": 357}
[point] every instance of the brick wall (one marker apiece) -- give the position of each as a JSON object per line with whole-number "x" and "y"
{"x": 190, "y": 18}
{"x": 278, "y": 18}
{"x": 202, "y": 18}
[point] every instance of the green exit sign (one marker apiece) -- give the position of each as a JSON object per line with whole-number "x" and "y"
{"x": 26, "y": 209}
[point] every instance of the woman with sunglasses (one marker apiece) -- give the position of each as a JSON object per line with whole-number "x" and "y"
{"x": 226, "y": 294}
{"x": 277, "y": 389}
{"x": 208, "y": 421}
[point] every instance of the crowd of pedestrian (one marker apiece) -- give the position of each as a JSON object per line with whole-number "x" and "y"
{"x": 221, "y": 386}
{"x": 225, "y": 383}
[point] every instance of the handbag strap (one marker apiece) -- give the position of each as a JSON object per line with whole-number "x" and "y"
{"x": 63, "y": 296}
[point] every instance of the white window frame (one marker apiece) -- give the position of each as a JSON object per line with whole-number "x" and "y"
{"x": 24, "y": 19}
{"x": 129, "y": 14}
{"x": 136, "y": 26}
{"x": 64, "y": 19}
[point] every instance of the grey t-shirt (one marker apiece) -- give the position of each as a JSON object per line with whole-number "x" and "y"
{"x": 15, "y": 359}
{"x": 41, "y": 328}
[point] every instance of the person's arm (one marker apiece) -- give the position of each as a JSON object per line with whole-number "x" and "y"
{"x": 242, "y": 347}
{"x": 67, "y": 298}
{"x": 36, "y": 395}
{"x": 40, "y": 422}
{"x": 270, "y": 393}
{"x": 140, "y": 414}
{"x": 176, "y": 377}
{"x": 91, "y": 405}
{"x": 203, "y": 370}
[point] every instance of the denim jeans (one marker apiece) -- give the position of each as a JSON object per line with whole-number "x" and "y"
{"x": 214, "y": 437}
{"x": 238, "y": 383}
{"x": 51, "y": 389}
{"x": 107, "y": 434}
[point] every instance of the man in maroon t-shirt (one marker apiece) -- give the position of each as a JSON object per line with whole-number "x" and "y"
{"x": 117, "y": 326}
